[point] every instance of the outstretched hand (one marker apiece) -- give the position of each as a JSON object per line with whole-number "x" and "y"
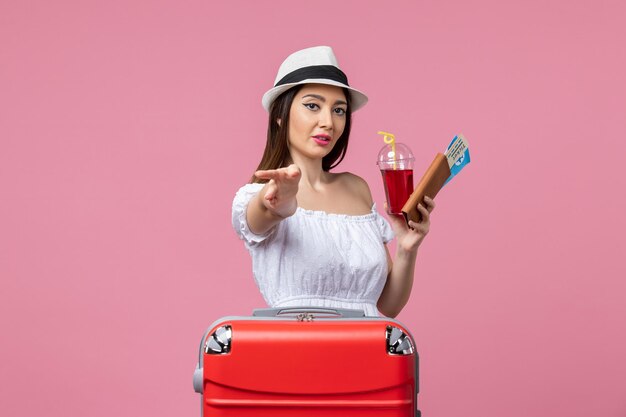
{"x": 411, "y": 236}
{"x": 280, "y": 194}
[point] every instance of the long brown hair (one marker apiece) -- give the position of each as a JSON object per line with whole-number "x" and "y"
{"x": 276, "y": 153}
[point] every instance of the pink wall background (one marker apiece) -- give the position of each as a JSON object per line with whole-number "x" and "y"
{"x": 126, "y": 127}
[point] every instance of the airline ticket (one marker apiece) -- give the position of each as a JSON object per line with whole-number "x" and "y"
{"x": 458, "y": 155}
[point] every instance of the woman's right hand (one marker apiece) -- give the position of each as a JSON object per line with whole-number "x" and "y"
{"x": 281, "y": 190}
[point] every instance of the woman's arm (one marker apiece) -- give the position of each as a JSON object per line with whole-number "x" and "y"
{"x": 397, "y": 290}
{"x": 276, "y": 200}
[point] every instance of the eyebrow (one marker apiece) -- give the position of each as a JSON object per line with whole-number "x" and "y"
{"x": 321, "y": 98}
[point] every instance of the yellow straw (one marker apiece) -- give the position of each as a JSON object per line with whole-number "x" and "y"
{"x": 390, "y": 139}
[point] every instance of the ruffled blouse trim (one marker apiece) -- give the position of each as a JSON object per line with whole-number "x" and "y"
{"x": 292, "y": 298}
{"x": 248, "y": 191}
{"x": 240, "y": 208}
{"x": 338, "y": 216}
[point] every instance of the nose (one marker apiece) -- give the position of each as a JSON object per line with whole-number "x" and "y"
{"x": 326, "y": 119}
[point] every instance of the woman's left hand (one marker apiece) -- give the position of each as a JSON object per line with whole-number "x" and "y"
{"x": 409, "y": 239}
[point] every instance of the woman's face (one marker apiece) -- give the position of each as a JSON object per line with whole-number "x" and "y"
{"x": 317, "y": 119}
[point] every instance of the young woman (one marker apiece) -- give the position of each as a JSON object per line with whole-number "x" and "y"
{"x": 315, "y": 236}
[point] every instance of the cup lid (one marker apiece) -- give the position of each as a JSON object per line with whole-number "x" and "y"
{"x": 400, "y": 153}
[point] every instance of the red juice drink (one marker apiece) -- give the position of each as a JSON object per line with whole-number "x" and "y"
{"x": 398, "y": 188}
{"x": 395, "y": 161}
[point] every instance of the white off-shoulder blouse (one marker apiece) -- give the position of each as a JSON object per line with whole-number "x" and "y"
{"x": 319, "y": 259}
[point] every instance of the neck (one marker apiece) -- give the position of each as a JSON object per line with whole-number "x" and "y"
{"x": 311, "y": 170}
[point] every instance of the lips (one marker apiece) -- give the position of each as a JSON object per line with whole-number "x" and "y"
{"x": 322, "y": 139}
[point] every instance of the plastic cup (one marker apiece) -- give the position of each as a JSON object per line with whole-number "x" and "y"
{"x": 396, "y": 168}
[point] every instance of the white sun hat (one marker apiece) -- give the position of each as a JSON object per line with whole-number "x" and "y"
{"x": 312, "y": 65}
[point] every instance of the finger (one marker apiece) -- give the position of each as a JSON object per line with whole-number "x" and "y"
{"x": 284, "y": 171}
{"x": 293, "y": 171}
{"x": 414, "y": 225}
{"x": 266, "y": 173}
{"x": 425, "y": 213}
{"x": 419, "y": 228}
{"x": 430, "y": 203}
{"x": 270, "y": 193}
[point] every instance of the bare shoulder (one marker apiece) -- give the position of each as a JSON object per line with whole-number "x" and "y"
{"x": 356, "y": 185}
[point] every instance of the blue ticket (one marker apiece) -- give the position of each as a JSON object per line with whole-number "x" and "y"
{"x": 458, "y": 155}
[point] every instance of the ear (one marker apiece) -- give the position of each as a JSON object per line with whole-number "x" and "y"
{"x": 278, "y": 121}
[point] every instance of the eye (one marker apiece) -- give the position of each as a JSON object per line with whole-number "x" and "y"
{"x": 311, "y": 106}
{"x": 340, "y": 111}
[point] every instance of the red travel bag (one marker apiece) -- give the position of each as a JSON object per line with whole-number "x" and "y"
{"x": 302, "y": 361}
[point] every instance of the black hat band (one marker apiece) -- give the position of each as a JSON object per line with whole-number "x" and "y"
{"x": 328, "y": 72}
